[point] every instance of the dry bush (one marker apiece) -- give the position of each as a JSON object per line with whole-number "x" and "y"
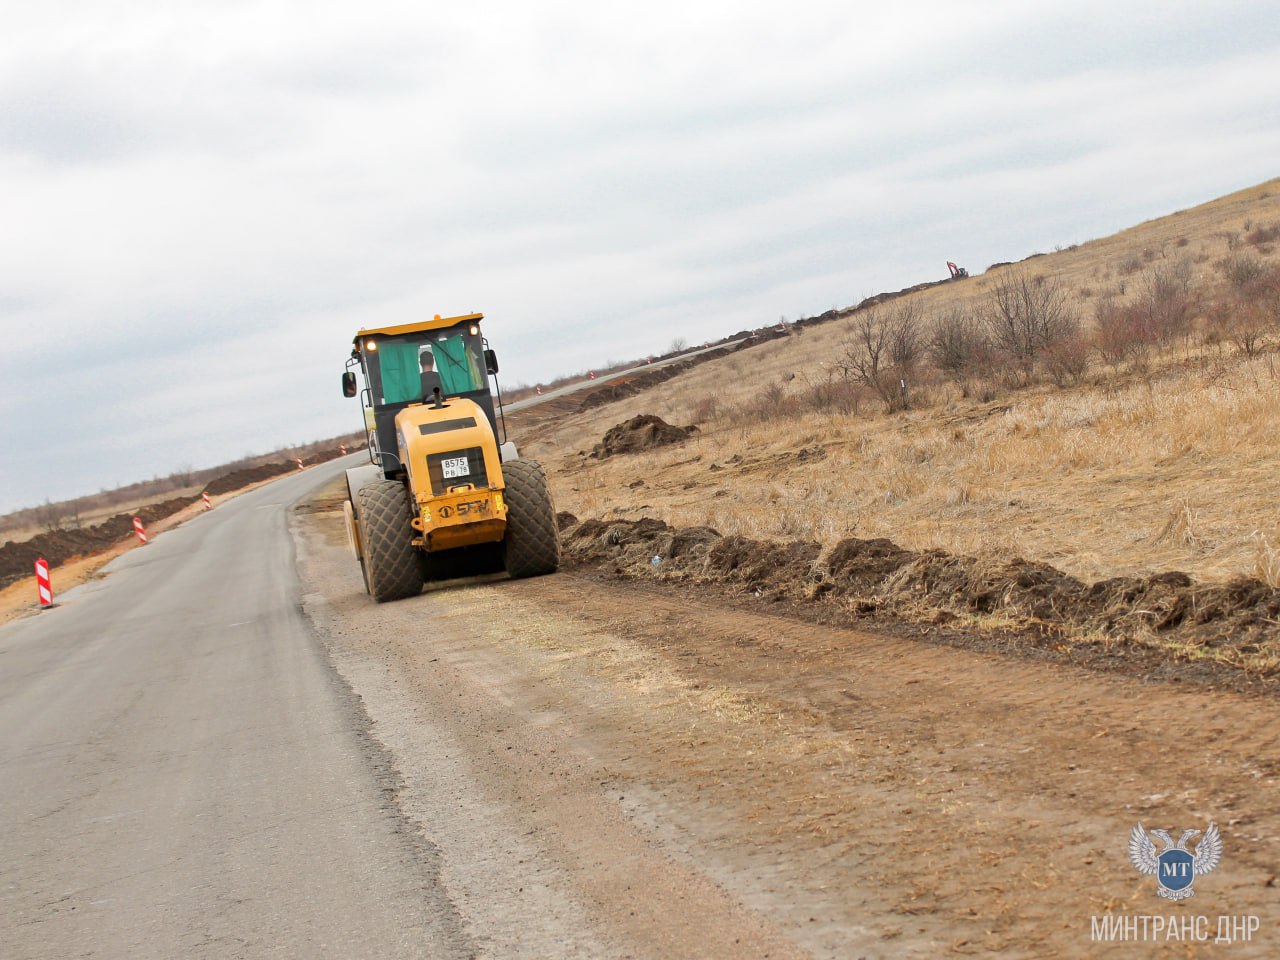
{"x": 1067, "y": 361}
{"x": 1166, "y": 300}
{"x": 1161, "y": 311}
{"x": 1026, "y": 314}
{"x": 834, "y": 394}
{"x": 1241, "y": 269}
{"x": 958, "y": 347}
{"x": 1116, "y": 336}
{"x": 1263, "y": 292}
{"x": 1263, "y": 235}
{"x": 1130, "y": 264}
{"x": 770, "y": 403}
{"x": 705, "y": 409}
{"x": 883, "y": 349}
{"x": 1243, "y": 324}
{"x": 1250, "y": 315}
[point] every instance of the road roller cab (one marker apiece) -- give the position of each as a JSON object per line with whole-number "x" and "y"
{"x": 441, "y": 496}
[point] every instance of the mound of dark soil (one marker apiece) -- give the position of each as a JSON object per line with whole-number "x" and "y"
{"x": 237, "y": 479}
{"x": 17, "y": 559}
{"x": 629, "y": 386}
{"x": 643, "y": 432}
{"x": 1236, "y": 623}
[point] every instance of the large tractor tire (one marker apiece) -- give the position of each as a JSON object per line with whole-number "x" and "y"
{"x": 391, "y": 569}
{"x": 532, "y": 543}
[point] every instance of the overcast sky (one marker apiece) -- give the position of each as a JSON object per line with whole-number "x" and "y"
{"x": 202, "y": 202}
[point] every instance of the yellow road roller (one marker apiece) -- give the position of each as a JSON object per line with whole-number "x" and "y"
{"x": 441, "y": 497}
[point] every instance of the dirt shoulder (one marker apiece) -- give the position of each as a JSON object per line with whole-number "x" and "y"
{"x": 668, "y": 756}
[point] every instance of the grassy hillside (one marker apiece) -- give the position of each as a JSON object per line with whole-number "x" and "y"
{"x": 1122, "y": 449}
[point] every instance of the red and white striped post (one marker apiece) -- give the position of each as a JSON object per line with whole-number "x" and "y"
{"x": 137, "y": 528}
{"x": 298, "y": 461}
{"x": 539, "y": 389}
{"x": 342, "y": 449}
{"x": 43, "y": 586}
{"x": 208, "y": 504}
{"x": 591, "y": 374}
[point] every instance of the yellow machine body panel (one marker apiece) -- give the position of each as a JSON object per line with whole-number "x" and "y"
{"x": 454, "y": 472}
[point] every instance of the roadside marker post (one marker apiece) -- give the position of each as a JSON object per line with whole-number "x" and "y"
{"x": 208, "y": 504}
{"x": 342, "y": 449}
{"x": 298, "y": 461}
{"x": 43, "y": 585}
{"x": 138, "y": 529}
{"x": 591, "y": 374}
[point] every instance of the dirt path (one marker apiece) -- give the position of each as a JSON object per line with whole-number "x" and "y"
{"x": 689, "y": 779}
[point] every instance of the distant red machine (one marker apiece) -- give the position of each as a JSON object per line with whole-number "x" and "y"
{"x": 957, "y": 273}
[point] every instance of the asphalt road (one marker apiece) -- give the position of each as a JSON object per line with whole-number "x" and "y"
{"x": 183, "y": 774}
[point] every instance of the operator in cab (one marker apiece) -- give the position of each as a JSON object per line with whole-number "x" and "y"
{"x": 431, "y": 381}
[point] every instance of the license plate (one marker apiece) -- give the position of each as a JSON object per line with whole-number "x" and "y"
{"x": 454, "y": 467}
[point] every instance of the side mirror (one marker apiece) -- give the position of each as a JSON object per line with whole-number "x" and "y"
{"x": 349, "y": 384}
{"x": 491, "y": 361}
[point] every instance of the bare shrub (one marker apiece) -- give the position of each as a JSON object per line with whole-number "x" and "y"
{"x": 1248, "y": 314}
{"x": 1114, "y": 336}
{"x": 1264, "y": 293}
{"x": 1130, "y": 264}
{"x": 1026, "y": 314}
{"x": 1067, "y": 360}
{"x": 1243, "y": 323}
{"x": 51, "y": 516}
{"x": 1164, "y": 301}
{"x": 834, "y": 395}
{"x": 883, "y": 350}
{"x": 775, "y": 395}
{"x": 958, "y": 346}
{"x": 770, "y": 403}
{"x": 1263, "y": 235}
{"x": 706, "y": 408}
{"x": 906, "y": 336}
{"x": 1241, "y": 268}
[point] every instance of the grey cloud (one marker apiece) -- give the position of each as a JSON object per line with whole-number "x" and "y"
{"x": 210, "y": 207}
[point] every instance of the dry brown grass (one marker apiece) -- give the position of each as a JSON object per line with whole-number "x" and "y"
{"x": 1174, "y": 466}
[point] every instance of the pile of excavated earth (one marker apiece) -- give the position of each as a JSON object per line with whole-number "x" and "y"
{"x": 859, "y": 578}
{"x": 643, "y": 432}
